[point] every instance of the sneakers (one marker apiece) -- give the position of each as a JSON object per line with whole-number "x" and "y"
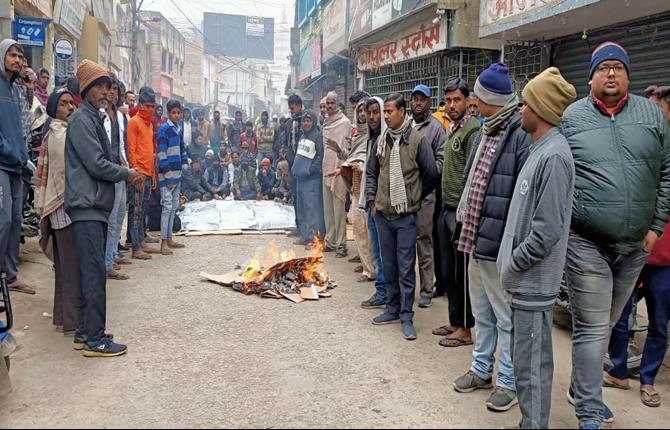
{"x": 373, "y": 303}
{"x": 589, "y": 426}
{"x": 408, "y": 330}
{"x": 385, "y": 319}
{"x": 80, "y": 340}
{"x": 471, "y": 382}
{"x": 501, "y": 400}
{"x": 608, "y": 415}
{"x": 425, "y": 301}
{"x": 105, "y": 348}
{"x": 342, "y": 253}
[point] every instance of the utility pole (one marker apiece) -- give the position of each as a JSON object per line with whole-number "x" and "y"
{"x": 134, "y": 63}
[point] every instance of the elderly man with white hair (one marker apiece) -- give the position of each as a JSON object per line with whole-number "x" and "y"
{"x": 337, "y": 137}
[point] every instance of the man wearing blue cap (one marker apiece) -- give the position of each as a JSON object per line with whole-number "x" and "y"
{"x": 621, "y": 147}
{"x": 495, "y": 162}
{"x": 425, "y": 123}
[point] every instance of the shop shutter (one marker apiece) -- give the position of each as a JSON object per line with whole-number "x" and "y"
{"x": 646, "y": 40}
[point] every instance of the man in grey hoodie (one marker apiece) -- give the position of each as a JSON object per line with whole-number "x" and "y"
{"x": 539, "y": 222}
{"x": 13, "y": 157}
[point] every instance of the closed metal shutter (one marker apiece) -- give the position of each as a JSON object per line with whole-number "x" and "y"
{"x": 646, "y": 40}
{"x": 403, "y": 77}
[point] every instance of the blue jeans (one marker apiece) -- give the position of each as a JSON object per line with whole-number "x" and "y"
{"x": 376, "y": 252}
{"x": 169, "y": 203}
{"x": 399, "y": 258}
{"x": 656, "y": 280}
{"x": 600, "y": 283}
{"x": 493, "y": 315}
{"x": 115, "y": 223}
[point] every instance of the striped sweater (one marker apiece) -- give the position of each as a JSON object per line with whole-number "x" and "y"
{"x": 170, "y": 154}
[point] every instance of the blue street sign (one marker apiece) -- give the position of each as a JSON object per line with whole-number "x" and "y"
{"x": 30, "y": 31}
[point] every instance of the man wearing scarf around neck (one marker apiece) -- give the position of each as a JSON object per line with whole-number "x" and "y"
{"x": 336, "y": 134}
{"x": 495, "y": 162}
{"x": 433, "y": 130}
{"x": 401, "y": 172}
{"x": 351, "y": 171}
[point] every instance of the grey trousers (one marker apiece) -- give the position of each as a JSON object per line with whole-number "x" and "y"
{"x": 600, "y": 282}
{"x": 11, "y": 205}
{"x": 424, "y": 245}
{"x": 533, "y": 359}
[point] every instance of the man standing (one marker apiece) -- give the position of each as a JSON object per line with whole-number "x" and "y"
{"x": 248, "y": 138}
{"x": 171, "y": 158}
{"x": 204, "y": 126}
{"x": 397, "y": 180}
{"x": 621, "y": 147}
{"x": 187, "y": 126}
{"x": 442, "y": 115}
{"x": 265, "y": 135}
{"x": 451, "y": 264}
{"x": 130, "y": 101}
{"x": 426, "y": 124}
{"x": 115, "y": 127}
{"x": 90, "y": 176}
{"x": 13, "y": 156}
{"x": 141, "y": 158}
{"x": 376, "y": 127}
{"x": 218, "y": 131}
{"x": 491, "y": 174}
{"x": 336, "y": 134}
{"x": 235, "y": 131}
{"x": 532, "y": 252}
{"x": 292, "y": 135}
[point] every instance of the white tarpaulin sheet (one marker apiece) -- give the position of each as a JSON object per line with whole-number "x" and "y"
{"x": 236, "y": 215}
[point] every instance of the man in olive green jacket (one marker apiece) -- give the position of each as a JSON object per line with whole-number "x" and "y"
{"x": 400, "y": 172}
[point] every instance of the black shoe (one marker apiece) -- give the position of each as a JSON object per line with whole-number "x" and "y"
{"x": 356, "y": 259}
{"x": 342, "y": 253}
{"x": 120, "y": 247}
{"x": 80, "y": 340}
{"x": 105, "y": 348}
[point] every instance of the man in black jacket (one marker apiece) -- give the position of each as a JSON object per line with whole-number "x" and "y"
{"x": 491, "y": 172}
{"x": 90, "y": 175}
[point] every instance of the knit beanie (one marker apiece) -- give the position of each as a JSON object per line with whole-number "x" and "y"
{"x": 493, "y": 86}
{"x": 609, "y": 51}
{"x": 52, "y": 102}
{"x": 548, "y": 94}
{"x": 88, "y": 73}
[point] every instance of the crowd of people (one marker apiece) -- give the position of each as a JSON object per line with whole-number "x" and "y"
{"x": 495, "y": 198}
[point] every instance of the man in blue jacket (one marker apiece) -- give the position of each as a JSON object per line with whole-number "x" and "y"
{"x": 13, "y": 156}
{"x": 621, "y": 147}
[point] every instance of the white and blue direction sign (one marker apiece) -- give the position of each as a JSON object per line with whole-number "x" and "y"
{"x": 30, "y": 31}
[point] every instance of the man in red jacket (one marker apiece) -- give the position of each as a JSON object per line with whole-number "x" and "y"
{"x": 654, "y": 285}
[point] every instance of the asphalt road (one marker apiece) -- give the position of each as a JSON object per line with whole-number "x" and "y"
{"x": 202, "y": 355}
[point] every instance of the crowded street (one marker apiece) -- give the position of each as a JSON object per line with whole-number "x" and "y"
{"x": 334, "y": 214}
{"x": 206, "y": 356}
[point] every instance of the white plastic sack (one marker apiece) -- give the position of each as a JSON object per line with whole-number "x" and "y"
{"x": 236, "y": 215}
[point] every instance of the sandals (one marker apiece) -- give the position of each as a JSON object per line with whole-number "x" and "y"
{"x": 141, "y": 256}
{"x": 454, "y": 342}
{"x": 609, "y": 381}
{"x": 445, "y": 330}
{"x": 117, "y": 276}
{"x": 650, "y": 398}
{"x": 20, "y": 287}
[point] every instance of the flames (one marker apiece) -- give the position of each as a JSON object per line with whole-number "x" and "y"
{"x": 259, "y": 268}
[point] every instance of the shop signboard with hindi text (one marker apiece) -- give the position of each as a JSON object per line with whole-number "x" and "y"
{"x": 368, "y": 15}
{"x": 334, "y": 29}
{"x": 496, "y": 16}
{"x": 316, "y": 57}
{"x": 421, "y": 39}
